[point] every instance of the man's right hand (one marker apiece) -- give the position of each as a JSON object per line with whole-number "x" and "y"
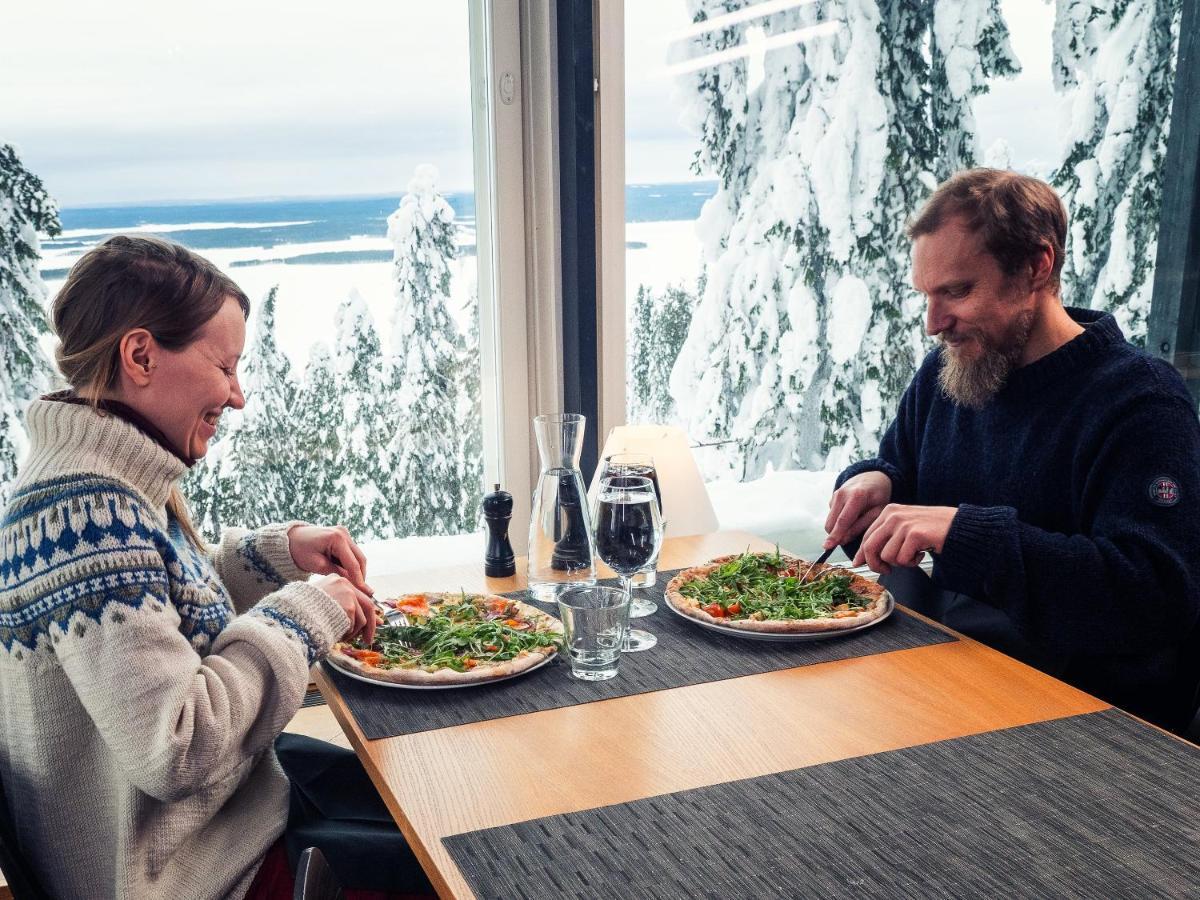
{"x": 357, "y": 606}
{"x": 855, "y": 505}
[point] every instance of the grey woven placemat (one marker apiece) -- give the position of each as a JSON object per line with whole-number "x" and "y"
{"x": 1096, "y": 805}
{"x": 686, "y": 654}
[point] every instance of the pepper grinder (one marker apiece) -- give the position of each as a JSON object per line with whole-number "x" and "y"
{"x": 498, "y": 561}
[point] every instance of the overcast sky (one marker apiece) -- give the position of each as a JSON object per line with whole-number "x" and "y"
{"x": 142, "y": 100}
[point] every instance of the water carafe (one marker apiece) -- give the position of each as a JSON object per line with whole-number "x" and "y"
{"x": 561, "y": 542}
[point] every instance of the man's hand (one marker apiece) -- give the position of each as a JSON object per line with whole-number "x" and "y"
{"x": 855, "y": 505}
{"x": 900, "y": 535}
{"x": 329, "y": 551}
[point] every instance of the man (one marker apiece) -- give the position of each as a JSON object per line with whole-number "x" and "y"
{"x": 1051, "y": 468}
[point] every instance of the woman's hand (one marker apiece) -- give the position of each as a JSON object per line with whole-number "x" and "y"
{"x": 329, "y": 551}
{"x": 357, "y": 606}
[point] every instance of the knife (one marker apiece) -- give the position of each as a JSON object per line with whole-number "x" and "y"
{"x": 824, "y": 557}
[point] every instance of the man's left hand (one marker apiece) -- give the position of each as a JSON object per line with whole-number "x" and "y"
{"x": 902, "y": 534}
{"x": 329, "y": 551}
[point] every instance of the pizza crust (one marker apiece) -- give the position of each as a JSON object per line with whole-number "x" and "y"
{"x": 443, "y": 677}
{"x": 862, "y": 586}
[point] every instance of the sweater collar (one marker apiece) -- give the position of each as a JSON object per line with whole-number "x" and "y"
{"x": 1100, "y": 333}
{"x": 130, "y": 415}
{"x": 78, "y": 439}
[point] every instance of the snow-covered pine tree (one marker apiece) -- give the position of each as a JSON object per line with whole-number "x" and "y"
{"x": 424, "y": 367}
{"x": 969, "y": 46}
{"x": 471, "y": 419}
{"x": 807, "y": 330}
{"x": 1117, "y": 60}
{"x": 657, "y": 329}
{"x": 25, "y": 372}
{"x": 318, "y": 423}
{"x": 638, "y": 388}
{"x": 365, "y": 482}
{"x": 204, "y": 486}
{"x": 717, "y": 367}
{"x": 263, "y": 487}
{"x": 874, "y": 331}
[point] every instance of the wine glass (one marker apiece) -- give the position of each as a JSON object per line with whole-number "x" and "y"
{"x": 628, "y": 536}
{"x": 638, "y": 464}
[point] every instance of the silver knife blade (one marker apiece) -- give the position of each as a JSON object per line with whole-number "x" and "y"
{"x": 824, "y": 557}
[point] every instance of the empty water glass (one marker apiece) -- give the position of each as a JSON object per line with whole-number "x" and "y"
{"x": 594, "y": 620}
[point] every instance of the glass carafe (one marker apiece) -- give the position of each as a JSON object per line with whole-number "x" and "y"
{"x": 561, "y": 543}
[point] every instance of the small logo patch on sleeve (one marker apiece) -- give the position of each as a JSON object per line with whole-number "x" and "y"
{"x": 1164, "y": 491}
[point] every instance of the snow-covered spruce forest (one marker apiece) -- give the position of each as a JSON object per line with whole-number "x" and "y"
{"x": 795, "y": 342}
{"x": 385, "y": 439}
{"x": 803, "y": 330}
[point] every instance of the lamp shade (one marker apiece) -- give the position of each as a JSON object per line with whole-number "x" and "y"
{"x": 686, "y": 506}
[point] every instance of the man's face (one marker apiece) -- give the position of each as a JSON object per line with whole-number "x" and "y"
{"x": 981, "y": 318}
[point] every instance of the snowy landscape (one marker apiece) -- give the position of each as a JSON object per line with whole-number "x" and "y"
{"x": 766, "y": 265}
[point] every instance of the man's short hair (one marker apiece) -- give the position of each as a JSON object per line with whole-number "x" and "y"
{"x": 1016, "y": 215}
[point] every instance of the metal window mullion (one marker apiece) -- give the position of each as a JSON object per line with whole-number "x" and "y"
{"x": 1174, "y": 326}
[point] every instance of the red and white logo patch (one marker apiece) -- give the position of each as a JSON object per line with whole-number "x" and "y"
{"x": 1164, "y": 491}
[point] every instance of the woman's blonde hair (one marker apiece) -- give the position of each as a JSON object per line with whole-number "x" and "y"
{"x": 128, "y": 282}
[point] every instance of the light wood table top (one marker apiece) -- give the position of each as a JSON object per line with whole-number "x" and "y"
{"x": 453, "y": 780}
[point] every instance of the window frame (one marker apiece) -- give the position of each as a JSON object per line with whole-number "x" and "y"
{"x": 1173, "y": 331}
{"x": 497, "y": 112}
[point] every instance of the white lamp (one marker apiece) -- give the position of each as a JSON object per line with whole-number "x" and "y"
{"x": 685, "y": 498}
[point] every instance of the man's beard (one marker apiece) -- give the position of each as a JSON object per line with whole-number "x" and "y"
{"x": 974, "y": 382}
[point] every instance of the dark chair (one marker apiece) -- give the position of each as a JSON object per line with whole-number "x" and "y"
{"x": 314, "y": 879}
{"x": 19, "y": 873}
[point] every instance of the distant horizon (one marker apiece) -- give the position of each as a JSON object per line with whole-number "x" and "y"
{"x": 280, "y": 198}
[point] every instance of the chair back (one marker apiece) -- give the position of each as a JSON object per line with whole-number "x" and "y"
{"x": 314, "y": 879}
{"x": 16, "y": 868}
{"x": 687, "y": 508}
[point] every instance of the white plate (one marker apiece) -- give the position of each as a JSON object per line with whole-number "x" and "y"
{"x": 767, "y": 636}
{"x": 434, "y": 687}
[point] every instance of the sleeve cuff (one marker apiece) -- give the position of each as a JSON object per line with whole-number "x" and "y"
{"x": 308, "y": 614}
{"x": 875, "y": 465}
{"x": 973, "y": 542}
{"x": 266, "y": 549}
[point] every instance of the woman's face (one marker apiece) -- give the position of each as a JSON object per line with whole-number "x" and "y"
{"x": 190, "y": 388}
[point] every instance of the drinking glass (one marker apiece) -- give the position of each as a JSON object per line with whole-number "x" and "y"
{"x": 594, "y": 623}
{"x": 638, "y": 464}
{"x": 628, "y": 536}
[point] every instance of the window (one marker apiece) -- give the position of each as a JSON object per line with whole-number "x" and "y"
{"x": 774, "y": 150}
{"x": 342, "y": 165}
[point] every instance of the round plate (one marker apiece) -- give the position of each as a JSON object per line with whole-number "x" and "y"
{"x": 767, "y": 636}
{"x": 435, "y": 687}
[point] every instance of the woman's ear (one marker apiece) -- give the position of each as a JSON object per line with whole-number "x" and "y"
{"x": 138, "y": 356}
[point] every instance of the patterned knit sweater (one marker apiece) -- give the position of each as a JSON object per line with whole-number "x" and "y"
{"x": 142, "y": 681}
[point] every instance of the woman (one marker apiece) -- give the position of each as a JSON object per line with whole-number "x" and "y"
{"x": 143, "y": 675}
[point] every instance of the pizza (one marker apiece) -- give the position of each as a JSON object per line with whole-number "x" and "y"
{"x": 453, "y": 639}
{"x": 765, "y": 592}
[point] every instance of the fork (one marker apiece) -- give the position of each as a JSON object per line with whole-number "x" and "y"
{"x": 393, "y": 616}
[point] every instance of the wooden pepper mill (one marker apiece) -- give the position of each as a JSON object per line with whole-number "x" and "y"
{"x": 498, "y": 561}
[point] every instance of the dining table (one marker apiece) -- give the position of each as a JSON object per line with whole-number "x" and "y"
{"x": 916, "y": 769}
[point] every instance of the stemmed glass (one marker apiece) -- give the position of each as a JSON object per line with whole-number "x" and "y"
{"x": 629, "y": 535}
{"x": 638, "y": 464}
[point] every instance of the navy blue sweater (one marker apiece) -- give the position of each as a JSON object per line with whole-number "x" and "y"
{"x": 1078, "y": 523}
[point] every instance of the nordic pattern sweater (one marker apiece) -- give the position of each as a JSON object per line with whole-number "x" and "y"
{"x": 142, "y": 681}
{"x": 1078, "y": 495}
